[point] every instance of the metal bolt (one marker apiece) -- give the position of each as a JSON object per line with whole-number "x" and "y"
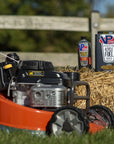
{"x": 95, "y": 25}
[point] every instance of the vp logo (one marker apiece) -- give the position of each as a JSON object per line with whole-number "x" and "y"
{"x": 106, "y": 39}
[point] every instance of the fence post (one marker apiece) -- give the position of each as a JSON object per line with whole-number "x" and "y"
{"x": 95, "y": 23}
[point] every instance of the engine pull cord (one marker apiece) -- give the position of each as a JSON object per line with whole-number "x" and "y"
{"x": 8, "y": 57}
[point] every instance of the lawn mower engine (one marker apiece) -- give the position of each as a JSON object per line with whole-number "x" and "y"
{"x": 38, "y": 85}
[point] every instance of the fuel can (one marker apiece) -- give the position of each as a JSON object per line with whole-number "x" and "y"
{"x": 104, "y": 52}
{"x": 84, "y": 53}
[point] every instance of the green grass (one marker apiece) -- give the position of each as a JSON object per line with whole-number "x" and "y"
{"x": 103, "y": 137}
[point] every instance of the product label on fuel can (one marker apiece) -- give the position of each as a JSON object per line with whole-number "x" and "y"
{"x": 83, "y": 53}
{"x": 107, "y": 46}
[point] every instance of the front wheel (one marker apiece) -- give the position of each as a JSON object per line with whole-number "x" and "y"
{"x": 67, "y": 120}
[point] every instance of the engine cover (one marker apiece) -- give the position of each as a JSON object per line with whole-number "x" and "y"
{"x": 43, "y": 95}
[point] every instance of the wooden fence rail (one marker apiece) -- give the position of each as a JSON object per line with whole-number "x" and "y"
{"x": 58, "y": 59}
{"x": 44, "y": 23}
{"x": 93, "y": 25}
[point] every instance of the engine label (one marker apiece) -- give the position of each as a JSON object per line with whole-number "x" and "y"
{"x": 36, "y": 73}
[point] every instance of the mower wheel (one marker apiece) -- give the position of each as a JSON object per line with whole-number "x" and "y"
{"x": 68, "y": 119}
{"x": 101, "y": 115}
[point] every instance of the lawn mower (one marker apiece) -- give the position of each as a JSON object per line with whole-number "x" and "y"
{"x": 36, "y": 98}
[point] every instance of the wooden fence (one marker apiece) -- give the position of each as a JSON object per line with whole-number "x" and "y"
{"x": 58, "y": 59}
{"x": 93, "y": 25}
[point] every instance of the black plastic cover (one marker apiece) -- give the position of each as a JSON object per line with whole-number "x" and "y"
{"x": 36, "y": 65}
{"x": 49, "y": 77}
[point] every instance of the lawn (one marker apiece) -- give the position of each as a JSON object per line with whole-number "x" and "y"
{"x": 103, "y": 137}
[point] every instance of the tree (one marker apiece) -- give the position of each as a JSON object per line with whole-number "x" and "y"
{"x": 42, "y": 41}
{"x": 110, "y": 11}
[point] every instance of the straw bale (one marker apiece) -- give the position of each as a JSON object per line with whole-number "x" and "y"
{"x": 101, "y": 86}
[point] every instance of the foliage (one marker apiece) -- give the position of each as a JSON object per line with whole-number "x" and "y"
{"x": 110, "y": 11}
{"x": 103, "y": 137}
{"x": 42, "y": 41}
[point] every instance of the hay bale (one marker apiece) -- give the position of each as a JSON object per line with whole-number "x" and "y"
{"x": 101, "y": 86}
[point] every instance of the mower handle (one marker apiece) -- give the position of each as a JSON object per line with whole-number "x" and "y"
{"x": 74, "y": 95}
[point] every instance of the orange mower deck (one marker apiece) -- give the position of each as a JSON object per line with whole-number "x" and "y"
{"x": 21, "y": 117}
